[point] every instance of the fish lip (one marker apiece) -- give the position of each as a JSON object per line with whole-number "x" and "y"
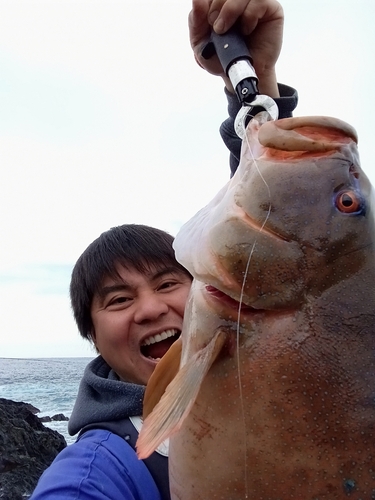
{"x": 229, "y": 302}
{"x": 231, "y": 306}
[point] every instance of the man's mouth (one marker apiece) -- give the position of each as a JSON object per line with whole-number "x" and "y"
{"x": 155, "y": 346}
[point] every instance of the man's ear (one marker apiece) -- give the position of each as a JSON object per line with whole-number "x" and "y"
{"x": 92, "y": 338}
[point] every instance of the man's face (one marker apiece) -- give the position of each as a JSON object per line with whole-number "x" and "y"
{"x": 137, "y": 317}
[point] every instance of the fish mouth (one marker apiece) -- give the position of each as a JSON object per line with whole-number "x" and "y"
{"x": 155, "y": 346}
{"x": 229, "y": 302}
{"x": 231, "y": 308}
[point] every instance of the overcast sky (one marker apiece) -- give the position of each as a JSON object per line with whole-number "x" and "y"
{"x": 106, "y": 119}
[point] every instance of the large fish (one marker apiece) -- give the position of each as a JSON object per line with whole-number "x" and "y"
{"x": 275, "y": 394}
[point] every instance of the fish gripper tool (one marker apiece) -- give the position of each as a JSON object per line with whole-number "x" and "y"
{"x": 235, "y": 59}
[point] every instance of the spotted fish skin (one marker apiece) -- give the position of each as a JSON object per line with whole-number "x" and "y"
{"x": 286, "y": 409}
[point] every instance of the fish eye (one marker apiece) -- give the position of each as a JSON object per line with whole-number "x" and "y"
{"x": 349, "y": 202}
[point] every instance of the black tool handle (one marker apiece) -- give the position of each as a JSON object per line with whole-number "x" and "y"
{"x": 235, "y": 60}
{"x": 229, "y": 47}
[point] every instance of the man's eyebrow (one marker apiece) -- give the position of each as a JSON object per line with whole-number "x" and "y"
{"x": 125, "y": 287}
{"x": 164, "y": 271}
{"x": 120, "y": 287}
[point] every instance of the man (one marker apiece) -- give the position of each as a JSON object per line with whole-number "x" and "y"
{"x": 126, "y": 280}
{"x": 128, "y": 295}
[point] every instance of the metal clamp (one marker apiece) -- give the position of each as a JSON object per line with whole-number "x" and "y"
{"x": 263, "y": 101}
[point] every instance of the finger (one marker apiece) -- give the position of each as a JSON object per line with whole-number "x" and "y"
{"x": 199, "y": 27}
{"x": 224, "y": 13}
{"x": 200, "y": 31}
{"x": 260, "y": 12}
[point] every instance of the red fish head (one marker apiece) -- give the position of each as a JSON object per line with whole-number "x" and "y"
{"x": 296, "y": 218}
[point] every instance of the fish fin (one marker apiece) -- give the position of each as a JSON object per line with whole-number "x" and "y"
{"x": 164, "y": 373}
{"x": 179, "y": 397}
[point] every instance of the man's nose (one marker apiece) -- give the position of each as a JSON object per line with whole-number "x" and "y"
{"x": 150, "y": 307}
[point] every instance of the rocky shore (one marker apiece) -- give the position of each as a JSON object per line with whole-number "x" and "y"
{"x": 27, "y": 448}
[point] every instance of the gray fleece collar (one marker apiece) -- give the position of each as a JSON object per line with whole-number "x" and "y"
{"x": 103, "y": 397}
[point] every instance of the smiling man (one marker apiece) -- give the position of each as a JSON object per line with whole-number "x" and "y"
{"x": 128, "y": 295}
{"x": 136, "y": 317}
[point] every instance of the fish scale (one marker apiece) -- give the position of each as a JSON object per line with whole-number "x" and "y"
{"x": 276, "y": 400}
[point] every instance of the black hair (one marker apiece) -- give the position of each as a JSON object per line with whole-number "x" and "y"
{"x": 132, "y": 246}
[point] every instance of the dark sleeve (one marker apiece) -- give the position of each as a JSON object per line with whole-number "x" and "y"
{"x": 286, "y": 103}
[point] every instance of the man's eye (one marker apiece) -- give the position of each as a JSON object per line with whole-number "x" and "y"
{"x": 119, "y": 300}
{"x": 167, "y": 284}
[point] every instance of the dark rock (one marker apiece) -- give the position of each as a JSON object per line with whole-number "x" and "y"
{"x": 27, "y": 448}
{"x": 45, "y": 419}
{"x": 30, "y": 407}
{"x": 60, "y": 417}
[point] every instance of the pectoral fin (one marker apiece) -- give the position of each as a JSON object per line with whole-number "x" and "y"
{"x": 164, "y": 373}
{"x": 168, "y": 415}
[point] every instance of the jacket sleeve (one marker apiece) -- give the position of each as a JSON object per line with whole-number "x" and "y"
{"x": 99, "y": 466}
{"x": 286, "y": 103}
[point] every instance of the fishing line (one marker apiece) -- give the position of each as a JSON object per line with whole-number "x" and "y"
{"x": 240, "y": 305}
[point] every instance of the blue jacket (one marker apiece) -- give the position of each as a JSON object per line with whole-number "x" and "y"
{"x": 100, "y": 466}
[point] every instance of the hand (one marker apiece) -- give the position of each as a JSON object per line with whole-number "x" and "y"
{"x": 261, "y": 23}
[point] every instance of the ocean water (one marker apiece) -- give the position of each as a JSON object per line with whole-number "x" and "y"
{"x": 49, "y": 384}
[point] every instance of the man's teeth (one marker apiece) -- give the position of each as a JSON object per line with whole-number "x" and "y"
{"x": 159, "y": 337}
